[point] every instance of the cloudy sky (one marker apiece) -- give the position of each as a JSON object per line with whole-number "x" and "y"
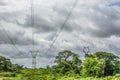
{"x": 93, "y": 23}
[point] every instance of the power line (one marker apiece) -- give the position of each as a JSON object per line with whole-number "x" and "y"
{"x": 54, "y": 10}
{"x": 10, "y": 39}
{"x": 2, "y": 41}
{"x": 32, "y": 21}
{"x": 63, "y": 25}
{"x": 52, "y": 15}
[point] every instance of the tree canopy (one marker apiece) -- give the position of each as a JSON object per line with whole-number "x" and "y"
{"x": 6, "y": 65}
{"x": 110, "y": 61}
{"x": 68, "y": 60}
{"x": 93, "y": 67}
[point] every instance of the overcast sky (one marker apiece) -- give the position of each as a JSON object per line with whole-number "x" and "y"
{"x": 93, "y": 23}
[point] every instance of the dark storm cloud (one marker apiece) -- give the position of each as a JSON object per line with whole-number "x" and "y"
{"x": 51, "y": 21}
{"x": 106, "y": 21}
{"x": 10, "y": 16}
{"x": 4, "y": 16}
{"x": 43, "y": 25}
{"x": 108, "y": 26}
{"x": 115, "y": 4}
{"x": 51, "y": 36}
{"x": 40, "y": 24}
{"x": 49, "y": 55}
{"x": 15, "y": 54}
{"x": 2, "y": 3}
{"x": 17, "y": 38}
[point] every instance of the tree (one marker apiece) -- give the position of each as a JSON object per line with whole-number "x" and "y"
{"x": 117, "y": 67}
{"x": 110, "y": 61}
{"x": 5, "y": 64}
{"x": 63, "y": 56}
{"x": 93, "y": 67}
{"x": 66, "y": 61}
{"x": 76, "y": 63}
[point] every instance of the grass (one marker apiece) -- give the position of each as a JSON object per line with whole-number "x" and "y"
{"x": 18, "y": 77}
{"x": 7, "y": 74}
{"x": 1, "y": 78}
{"x": 48, "y": 77}
{"x": 70, "y": 78}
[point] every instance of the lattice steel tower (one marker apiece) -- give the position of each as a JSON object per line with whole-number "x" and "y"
{"x": 86, "y": 50}
{"x": 34, "y": 57}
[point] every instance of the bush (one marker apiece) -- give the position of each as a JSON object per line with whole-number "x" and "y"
{"x": 92, "y": 67}
{"x": 7, "y": 74}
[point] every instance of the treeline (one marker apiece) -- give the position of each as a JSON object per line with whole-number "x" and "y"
{"x": 7, "y": 66}
{"x": 68, "y": 63}
{"x": 99, "y": 64}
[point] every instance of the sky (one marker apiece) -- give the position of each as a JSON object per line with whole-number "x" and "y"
{"x": 93, "y": 23}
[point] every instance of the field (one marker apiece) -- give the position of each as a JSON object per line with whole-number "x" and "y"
{"x": 20, "y": 77}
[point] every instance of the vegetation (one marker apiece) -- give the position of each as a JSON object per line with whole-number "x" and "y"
{"x": 96, "y": 66}
{"x": 7, "y": 66}
{"x": 93, "y": 67}
{"x": 110, "y": 62}
{"x": 67, "y": 61}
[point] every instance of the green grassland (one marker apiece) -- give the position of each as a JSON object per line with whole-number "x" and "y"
{"x": 64, "y": 78}
{"x": 55, "y": 77}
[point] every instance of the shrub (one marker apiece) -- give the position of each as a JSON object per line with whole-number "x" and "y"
{"x": 7, "y": 74}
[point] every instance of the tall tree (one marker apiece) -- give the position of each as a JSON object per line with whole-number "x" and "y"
{"x": 63, "y": 56}
{"x": 110, "y": 62}
{"x": 117, "y": 67}
{"x": 5, "y": 64}
{"x": 67, "y": 60}
{"x": 93, "y": 67}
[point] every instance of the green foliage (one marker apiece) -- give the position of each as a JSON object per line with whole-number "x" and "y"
{"x": 67, "y": 61}
{"x": 7, "y": 74}
{"x": 38, "y": 74}
{"x": 18, "y": 77}
{"x": 7, "y": 66}
{"x": 90, "y": 78}
{"x": 63, "y": 56}
{"x": 117, "y": 67}
{"x": 110, "y": 62}
{"x": 93, "y": 67}
{"x": 76, "y": 64}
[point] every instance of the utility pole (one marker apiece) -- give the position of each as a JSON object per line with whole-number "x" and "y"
{"x": 86, "y": 51}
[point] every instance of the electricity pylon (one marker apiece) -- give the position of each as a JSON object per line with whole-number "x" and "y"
{"x": 34, "y": 57}
{"x": 86, "y": 50}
